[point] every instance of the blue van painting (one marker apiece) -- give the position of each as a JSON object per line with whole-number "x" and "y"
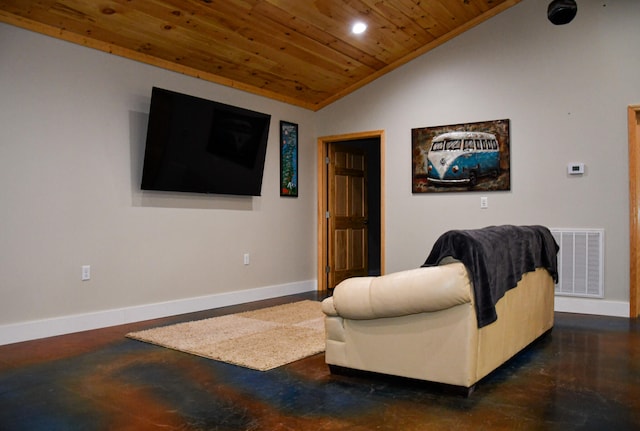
{"x": 468, "y": 157}
{"x": 461, "y": 158}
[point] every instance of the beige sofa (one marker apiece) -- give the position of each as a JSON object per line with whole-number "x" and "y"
{"x": 422, "y": 324}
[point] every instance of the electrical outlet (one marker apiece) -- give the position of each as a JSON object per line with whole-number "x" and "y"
{"x": 86, "y": 272}
{"x": 484, "y": 202}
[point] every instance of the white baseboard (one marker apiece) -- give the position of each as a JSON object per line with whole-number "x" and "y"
{"x": 32, "y": 330}
{"x": 600, "y": 307}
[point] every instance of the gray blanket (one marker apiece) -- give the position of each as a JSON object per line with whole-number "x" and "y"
{"x": 496, "y": 258}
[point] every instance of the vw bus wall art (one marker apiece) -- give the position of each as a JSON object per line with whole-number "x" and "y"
{"x": 461, "y": 157}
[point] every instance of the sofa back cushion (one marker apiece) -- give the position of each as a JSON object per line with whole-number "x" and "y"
{"x": 403, "y": 293}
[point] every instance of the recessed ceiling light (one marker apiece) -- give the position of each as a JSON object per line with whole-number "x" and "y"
{"x": 359, "y": 27}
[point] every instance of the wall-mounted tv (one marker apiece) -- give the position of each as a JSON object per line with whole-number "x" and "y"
{"x": 201, "y": 146}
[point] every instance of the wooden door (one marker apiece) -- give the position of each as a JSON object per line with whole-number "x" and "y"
{"x": 347, "y": 214}
{"x": 634, "y": 210}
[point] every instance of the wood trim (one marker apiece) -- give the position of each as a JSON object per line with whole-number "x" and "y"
{"x": 141, "y": 57}
{"x": 283, "y": 50}
{"x": 634, "y": 199}
{"x": 323, "y": 143}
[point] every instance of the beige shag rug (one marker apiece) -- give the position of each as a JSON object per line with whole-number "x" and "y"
{"x": 260, "y": 339}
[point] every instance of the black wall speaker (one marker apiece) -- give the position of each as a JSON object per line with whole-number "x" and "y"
{"x": 562, "y": 12}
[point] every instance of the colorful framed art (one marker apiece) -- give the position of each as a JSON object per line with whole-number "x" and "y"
{"x": 288, "y": 159}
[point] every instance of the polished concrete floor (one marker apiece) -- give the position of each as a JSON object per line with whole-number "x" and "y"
{"x": 585, "y": 375}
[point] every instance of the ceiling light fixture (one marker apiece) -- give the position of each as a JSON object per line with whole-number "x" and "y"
{"x": 359, "y": 27}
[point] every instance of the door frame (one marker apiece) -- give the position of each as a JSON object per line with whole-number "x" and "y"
{"x": 633, "y": 118}
{"x": 322, "y": 204}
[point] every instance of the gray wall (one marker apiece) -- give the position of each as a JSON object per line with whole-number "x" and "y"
{"x": 72, "y": 131}
{"x": 565, "y": 89}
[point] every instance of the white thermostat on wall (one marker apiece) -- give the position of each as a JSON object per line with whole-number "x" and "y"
{"x": 575, "y": 168}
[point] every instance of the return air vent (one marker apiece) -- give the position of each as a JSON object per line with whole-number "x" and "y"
{"x": 580, "y": 262}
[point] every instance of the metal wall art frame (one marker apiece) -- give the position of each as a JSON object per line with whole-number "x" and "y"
{"x": 288, "y": 159}
{"x": 461, "y": 157}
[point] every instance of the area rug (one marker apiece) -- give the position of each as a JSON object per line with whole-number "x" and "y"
{"x": 261, "y": 339}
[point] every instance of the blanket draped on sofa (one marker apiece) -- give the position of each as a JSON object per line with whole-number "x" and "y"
{"x": 496, "y": 258}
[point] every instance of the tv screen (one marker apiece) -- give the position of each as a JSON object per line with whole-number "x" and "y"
{"x": 201, "y": 146}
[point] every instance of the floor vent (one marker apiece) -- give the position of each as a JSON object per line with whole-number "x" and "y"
{"x": 580, "y": 262}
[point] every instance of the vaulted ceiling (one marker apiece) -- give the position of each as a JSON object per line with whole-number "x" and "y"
{"x": 300, "y": 52}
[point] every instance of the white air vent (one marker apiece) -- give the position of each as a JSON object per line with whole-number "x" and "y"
{"x": 580, "y": 262}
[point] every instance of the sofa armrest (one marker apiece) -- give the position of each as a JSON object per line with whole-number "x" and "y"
{"x": 401, "y": 293}
{"x": 328, "y": 308}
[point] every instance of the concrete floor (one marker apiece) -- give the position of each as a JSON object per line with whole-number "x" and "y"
{"x": 585, "y": 375}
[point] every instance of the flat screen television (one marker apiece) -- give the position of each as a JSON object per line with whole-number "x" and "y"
{"x": 201, "y": 146}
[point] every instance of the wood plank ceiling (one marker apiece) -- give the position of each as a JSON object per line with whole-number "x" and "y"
{"x": 300, "y": 52}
